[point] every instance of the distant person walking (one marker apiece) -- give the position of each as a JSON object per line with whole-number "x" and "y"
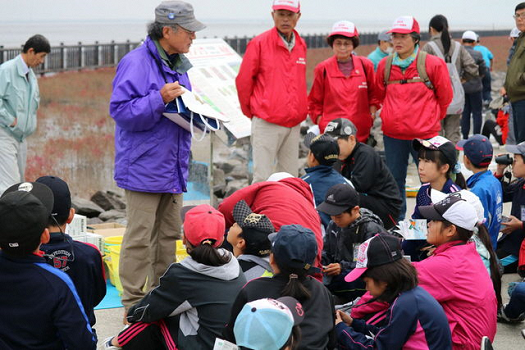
{"x": 473, "y": 88}
{"x": 344, "y": 85}
{"x": 152, "y": 152}
{"x": 514, "y": 86}
{"x": 415, "y": 90}
{"x": 383, "y": 49}
{"x": 487, "y": 79}
{"x": 443, "y": 46}
{"x": 19, "y": 100}
{"x": 271, "y": 85}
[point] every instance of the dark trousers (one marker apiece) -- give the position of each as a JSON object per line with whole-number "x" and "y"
{"x": 518, "y": 113}
{"x": 487, "y": 88}
{"x": 151, "y": 336}
{"x": 345, "y": 291}
{"x": 379, "y": 206}
{"x": 397, "y": 154}
{"x": 473, "y": 106}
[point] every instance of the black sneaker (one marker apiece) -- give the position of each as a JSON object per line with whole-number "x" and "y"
{"x": 485, "y": 343}
{"x": 502, "y": 318}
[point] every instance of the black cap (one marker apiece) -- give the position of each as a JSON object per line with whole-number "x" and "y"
{"x": 340, "y": 127}
{"x": 255, "y": 229}
{"x": 295, "y": 246}
{"x": 25, "y": 210}
{"x": 324, "y": 148}
{"x": 339, "y": 198}
{"x": 438, "y": 143}
{"x": 61, "y": 194}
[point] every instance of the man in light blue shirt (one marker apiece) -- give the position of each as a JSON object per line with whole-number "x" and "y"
{"x": 488, "y": 57}
{"x": 19, "y": 100}
{"x": 383, "y": 49}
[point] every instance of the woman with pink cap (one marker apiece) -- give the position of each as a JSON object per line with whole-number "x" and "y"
{"x": 343, "y": 85}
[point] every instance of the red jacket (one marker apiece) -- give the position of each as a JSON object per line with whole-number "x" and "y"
{"x": 286, "y": 202}
{"x": 271, "y": 83}
{"x": 335, "y": 96}
{"x": 412, "y": 110}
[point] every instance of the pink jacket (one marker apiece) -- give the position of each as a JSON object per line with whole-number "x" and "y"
{"x": 457, "y": 278}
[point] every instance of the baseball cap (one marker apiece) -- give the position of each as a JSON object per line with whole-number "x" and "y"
{"x": 469, "y": 196}
{"x": 379, "y": 250}
{"x": 203, "y": 223}
{"x": 25, "y": 209}
{"x": 266, "y": 324}
{"x": 438, "y": 143}
{"x": 404, "y": 25}
{"x": 340, "y": 127}
{"x": 516, "y": 149}
{"x": 469, "y": 35}
{"x": 324, "y": 148}
{"x": 453, "y": 209}
{"x": 339, "y": 198}
{"x": 61, "y": 195}
{"x": 295, "y": 246}
{"x": 478, "y": 150}
{"x": 344, "y": 28}
{"x": 384, "y": 36}
{"x": 255, "y": 229}
{"x": 178, "y": 12}
{"x": 290, "y": 5}
{"x": 514, "y": 33}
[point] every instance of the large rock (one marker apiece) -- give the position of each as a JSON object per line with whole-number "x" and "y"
{"x": 108, "y": 200}
{"x": 86, "y": 207}
{"x": 240, "y": 172}
{"x": 112, "y": 215}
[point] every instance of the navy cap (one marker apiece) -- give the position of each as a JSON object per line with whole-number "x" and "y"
{"x": 295, "y": 246}
{"x": 61, "y": 194}
{"x": 478, "y": 150}
{"x": 324, "y": 148}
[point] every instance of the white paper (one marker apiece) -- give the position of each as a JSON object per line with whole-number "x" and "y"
{"x": 221, "y": 344}
{"x": 413, "y": 229}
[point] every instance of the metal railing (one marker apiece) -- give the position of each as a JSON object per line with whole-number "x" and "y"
{"x": 82, "y": 56}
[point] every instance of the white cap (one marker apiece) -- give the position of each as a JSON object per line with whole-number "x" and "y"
{"x": 469, "y": 196}
{"x": 469, "y": 35}
{"x": 344, "y": 28}
{"x": 279, "y": 176}
{"x": 514, "y": 33}
{"x": 454, "y": 209}
{"x": 290, "y": 5}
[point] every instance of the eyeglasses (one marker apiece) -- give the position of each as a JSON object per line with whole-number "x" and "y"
{"x": 189, "y": 32}
{"x": 519, "y": 16}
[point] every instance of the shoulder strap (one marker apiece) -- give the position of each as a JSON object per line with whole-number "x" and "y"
{"x": 388, "y": 67}
{"x": 437, "y": 51}
{"x": 422, "y": 70}
{"x": 455, "y": 54}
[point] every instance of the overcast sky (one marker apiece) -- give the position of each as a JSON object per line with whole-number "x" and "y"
{"x": 475, "y": 13}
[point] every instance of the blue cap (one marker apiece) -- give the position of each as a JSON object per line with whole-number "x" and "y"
{"x": 478, "y": 150}
{"x": 295, "y": 246}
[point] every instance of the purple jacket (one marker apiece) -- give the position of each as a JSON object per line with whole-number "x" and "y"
{"x": 151, "y": 152}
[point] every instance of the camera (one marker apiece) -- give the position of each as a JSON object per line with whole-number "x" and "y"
{"x": 504, "y": 159}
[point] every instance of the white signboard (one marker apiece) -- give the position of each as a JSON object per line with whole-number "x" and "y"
{"x": 215, "y": 66}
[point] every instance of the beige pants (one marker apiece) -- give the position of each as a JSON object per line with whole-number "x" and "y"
{"x": 450, "y": 127}
{"x": 275, "y": 148}
{"x": 148, "y": 247}
{"x": 13, "y": 156}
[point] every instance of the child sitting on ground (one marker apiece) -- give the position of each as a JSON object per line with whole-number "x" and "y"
{"x": 323, "y": 153}
{"x": 350, "y": 226}
{"x": 437, "y": 163}
{"x": 249, "y": 239}
{"x": 477, "y": 157}
{"x": 189, "y": 308}
{"x": 414, "y": 319}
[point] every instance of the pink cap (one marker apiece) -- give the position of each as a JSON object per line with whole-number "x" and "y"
{"x": 344, "y": 28}
{"x": 202, "y": 223}
{"x": 405, "y": 25}
{"x": 290, "y": 5}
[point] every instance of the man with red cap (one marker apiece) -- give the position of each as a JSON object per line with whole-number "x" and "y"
{"x": 415, "y": 91}
{"x": 271, "y": 85}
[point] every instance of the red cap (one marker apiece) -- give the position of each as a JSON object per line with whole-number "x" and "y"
{"x": 405, "y": 25}
{"x": 202, "y": 223}
{"x": 290, "y": 5}
{"x": 344, "y": 28}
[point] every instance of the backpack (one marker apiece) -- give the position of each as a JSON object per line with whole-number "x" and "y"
{"x": 458, "y": 99}
{"x": 421, "y": 70}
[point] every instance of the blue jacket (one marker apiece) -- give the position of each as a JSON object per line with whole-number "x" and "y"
{"x": 321, "y": 178}
{"x": 82, "y": 262}
{"x": 151, "y": 152}
{"x": 40, "y": 308}
{"x": 376, "y": 56}
{"x": 488, "y": 189}
{"x": 415, "y": 320}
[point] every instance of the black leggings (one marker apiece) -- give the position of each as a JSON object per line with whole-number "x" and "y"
{"x": 151, "y": 336}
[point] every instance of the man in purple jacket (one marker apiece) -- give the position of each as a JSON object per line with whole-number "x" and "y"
{"x": 151, "y": 152}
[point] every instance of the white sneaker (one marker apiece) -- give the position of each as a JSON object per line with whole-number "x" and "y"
{"x": 106, "y": 345}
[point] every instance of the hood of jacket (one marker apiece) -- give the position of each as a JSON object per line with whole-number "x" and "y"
{"x": 299, "y": 185}
{"x": 366, "y": 217}
{"x": 226, "y": 272}
{"x": 262, "y": 261}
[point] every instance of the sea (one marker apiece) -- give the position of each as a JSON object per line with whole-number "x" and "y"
{"x": 14, "y": 34}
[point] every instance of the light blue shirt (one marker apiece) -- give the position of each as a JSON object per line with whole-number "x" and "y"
{"x": 487, "y": 55}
